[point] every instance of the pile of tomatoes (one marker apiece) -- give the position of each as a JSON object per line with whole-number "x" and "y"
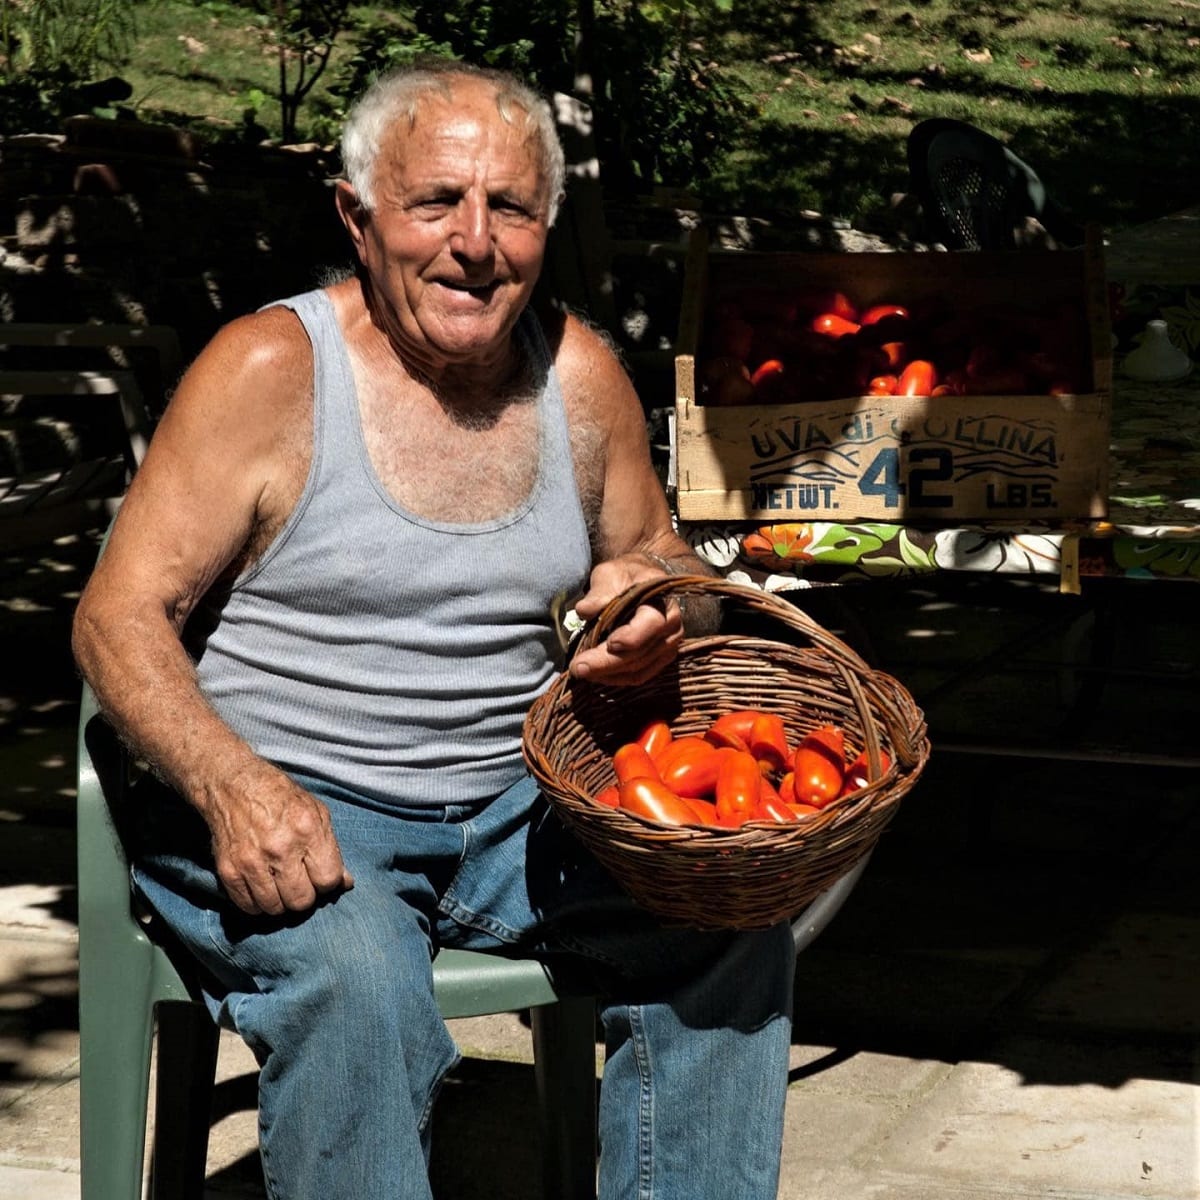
{"x": 772, "y": 346}
{"x": 741, "y": 769}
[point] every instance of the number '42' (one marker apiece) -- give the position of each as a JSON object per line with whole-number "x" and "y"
{"x": 925, "y": 465}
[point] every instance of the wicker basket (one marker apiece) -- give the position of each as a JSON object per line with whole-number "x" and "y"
{"x": 760, "y": 873}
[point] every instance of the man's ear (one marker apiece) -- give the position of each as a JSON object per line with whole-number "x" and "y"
{"x": 351, "y": 211}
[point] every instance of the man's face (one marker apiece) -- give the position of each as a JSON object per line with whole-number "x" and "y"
{"x": 455, "y": 241}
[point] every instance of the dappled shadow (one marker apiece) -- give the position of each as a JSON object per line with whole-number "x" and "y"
{"x": 39, "y": 699}
{"x": 1108, "y": 159}
{"x": 1109, "y": 156}
{"x": 136, "y": 223}
{"x": 37, "y": 1004}
{"x": 38, "y": 711}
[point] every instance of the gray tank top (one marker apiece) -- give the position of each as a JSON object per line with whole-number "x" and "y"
{"x": 382, "y": 652}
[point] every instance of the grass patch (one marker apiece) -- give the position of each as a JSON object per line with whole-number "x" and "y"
{"x": 1102, "y": 97}
{"x": 215, "y": 64}
{"x": 200, "y": 61}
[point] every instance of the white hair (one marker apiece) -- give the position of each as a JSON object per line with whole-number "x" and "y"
{"x": 398, "y": 95}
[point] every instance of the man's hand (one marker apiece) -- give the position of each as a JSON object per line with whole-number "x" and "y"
{"x": 274, "y": 845}
{"x": 645, "y": 644}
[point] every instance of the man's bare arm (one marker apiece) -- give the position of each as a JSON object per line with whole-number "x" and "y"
{"x": 213, "y": 472}
{"x": 635, "y": 538}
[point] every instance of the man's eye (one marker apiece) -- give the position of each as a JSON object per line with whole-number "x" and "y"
{"x": 510, "y": 207}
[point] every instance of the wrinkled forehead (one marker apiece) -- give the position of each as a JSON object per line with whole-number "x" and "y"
{"x": 458, "y": 107}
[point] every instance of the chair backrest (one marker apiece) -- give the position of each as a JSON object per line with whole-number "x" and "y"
{"x": 77, "y": 407}
{"x": 975, "y": 193}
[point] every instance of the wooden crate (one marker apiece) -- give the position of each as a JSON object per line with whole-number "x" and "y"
{"x": 931, "y": 459}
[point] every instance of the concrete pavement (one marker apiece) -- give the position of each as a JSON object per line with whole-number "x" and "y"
{"x": 1006, "y": 1006}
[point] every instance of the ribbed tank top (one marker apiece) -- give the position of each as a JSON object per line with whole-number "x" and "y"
{"x": 382, "y": 652}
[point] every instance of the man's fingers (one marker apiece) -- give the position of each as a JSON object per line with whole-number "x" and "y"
{"x": 295, "y": 888}
{"x": 263, "y": 893}
{"x": 326, "y": 870}
{"x": 241, "y": 896}
{"x": 272, "y": 888}
{"x": 284, "y": 890}
{"x": 281, "y": 856}
{"x": 603, "y": 665}
{"x": 648, "y": 625}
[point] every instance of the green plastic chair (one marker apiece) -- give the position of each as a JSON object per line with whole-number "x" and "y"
{"x": 131, "y": 985}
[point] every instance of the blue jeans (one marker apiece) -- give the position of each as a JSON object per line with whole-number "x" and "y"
{"x": 337, "y": 1004}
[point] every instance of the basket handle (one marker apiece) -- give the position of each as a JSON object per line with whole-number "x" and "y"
{"x": 851, "y": 666}
{"x": 621, "y": 608}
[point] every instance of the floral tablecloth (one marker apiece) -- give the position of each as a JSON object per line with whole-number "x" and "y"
{"x": 1152, "y": 530}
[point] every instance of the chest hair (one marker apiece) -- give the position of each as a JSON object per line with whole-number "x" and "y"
{"x": 463, "y": 464}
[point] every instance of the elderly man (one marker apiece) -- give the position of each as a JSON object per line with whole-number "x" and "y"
{"x": 321, "y": 617}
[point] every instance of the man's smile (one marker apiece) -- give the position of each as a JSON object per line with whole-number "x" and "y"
{"x": 481, "y": 291}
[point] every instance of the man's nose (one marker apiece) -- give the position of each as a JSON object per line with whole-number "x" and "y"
{"x": 472, "y": 233}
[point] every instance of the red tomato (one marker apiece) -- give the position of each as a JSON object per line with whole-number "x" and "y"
{"x": 878, "y": 312}
{"x": 832, "y": 738}
{"x": 732, "y": 729}
{"x": 693, "y": 775}
{"x": 819, "y": 768}
{"x": 815, "y": 300}
{"x": 771, "y": 806}
{"x": 680, "y": 749}
{"x": 705, "y": 810}
{"x": 609, "y": 797}
{"x": 730, "y": 391}
{"x": 725, "y": 380}
{"x": 774, "y": 387}
{"x": 839, "y": 303}
{"x": 818, "y": 777}
{"x": 858, "y": 773}
{"x": 787, "y": 787}
{"x": 725, "y": 738}
{"x": 803, "y": 810}
{"x": 738, "y": 783}
{"x": 765, "y": 370}
{"x": 768, "y": 741}
{"x": 882, "y": 385}
{"x": 897, "y": 353}
{"x": 632, "y": 762}
{"x": 652, "y": 799}
{"x": 919, "y": 378}
{"x": 655, "y": 738}
{"x": 773, "y": 810}
{"x": 834, "y": 326}
{"x": 956, "y": 381}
